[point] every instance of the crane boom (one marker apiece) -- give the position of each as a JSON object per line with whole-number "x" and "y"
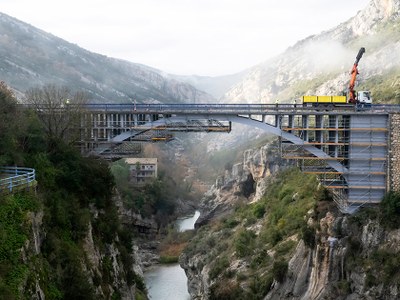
{"x": 353, "y": 74}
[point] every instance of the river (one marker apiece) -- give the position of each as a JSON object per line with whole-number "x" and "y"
{"x": 169, "y": 282}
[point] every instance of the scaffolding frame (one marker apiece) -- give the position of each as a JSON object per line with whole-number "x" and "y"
{"x": 357, "y": 142}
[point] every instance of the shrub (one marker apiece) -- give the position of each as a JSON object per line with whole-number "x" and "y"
{"x": 259, "y": 260}
{"x": 272, "y": 236}
{"x": 284, "y": 248}
{"x": 259, "y": 286}
{"x": 168, "y": 259}
{"x": 279, "y": 270}
{"x": 390, "y": 210}
{"x": 219, "y": 266}
{"x": 244, "y": 242}
{"x": 227, "y": 290}
{"x": 230, "y": 223}
{"x": 308, "y": 236}
{"x": 259, "y": 210}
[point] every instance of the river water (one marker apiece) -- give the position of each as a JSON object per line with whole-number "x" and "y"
{"x": 169, "y": 282}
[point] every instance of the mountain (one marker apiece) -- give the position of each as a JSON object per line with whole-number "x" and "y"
{"x": 320, "y": 64}
{"x": 216, "y": 86}
{"x": 30, "y": 57}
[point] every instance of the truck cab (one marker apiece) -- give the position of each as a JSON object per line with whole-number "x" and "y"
{"x": 364, "y": 97}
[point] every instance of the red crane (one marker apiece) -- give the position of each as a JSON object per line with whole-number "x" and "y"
{"x": 353, "y": 74}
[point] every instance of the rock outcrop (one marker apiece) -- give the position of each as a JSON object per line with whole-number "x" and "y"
{"x": 350, "y": 258}
{"x": 325, "y": 273}
{"x": 244, "y": 182}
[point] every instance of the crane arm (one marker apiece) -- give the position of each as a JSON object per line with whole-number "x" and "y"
{"x": 353, "y": 74}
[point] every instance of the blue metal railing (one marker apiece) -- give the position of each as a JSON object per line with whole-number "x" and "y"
{"x": 13, "y": 178}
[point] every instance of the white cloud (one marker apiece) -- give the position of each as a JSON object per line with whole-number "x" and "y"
{"x": 207, "y": 37}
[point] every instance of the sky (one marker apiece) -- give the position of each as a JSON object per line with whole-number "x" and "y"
{"x": 185, "y": 37}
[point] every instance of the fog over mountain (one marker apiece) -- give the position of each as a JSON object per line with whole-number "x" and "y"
{"x": 30, "y": 57}
{"x": 321, "y": 63}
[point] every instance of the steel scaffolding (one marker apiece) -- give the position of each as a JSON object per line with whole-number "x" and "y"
{"x": 357, "y": 142}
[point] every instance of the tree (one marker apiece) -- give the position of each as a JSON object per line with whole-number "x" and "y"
{"x": 9, "y": 125}
{"x": 59, "y": 109}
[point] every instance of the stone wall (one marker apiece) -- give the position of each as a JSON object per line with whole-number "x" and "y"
{"x": 394, "y": 153}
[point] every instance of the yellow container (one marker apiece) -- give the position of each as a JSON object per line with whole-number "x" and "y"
{"x": 324, "y": 99}
{"x": 309, "y": 99}
{"x": 339, "y": 99}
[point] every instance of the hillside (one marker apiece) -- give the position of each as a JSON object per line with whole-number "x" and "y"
{"x": 272, "y": 232}
{"x": 32, "y": 57}
{"x": 321, "y": 63}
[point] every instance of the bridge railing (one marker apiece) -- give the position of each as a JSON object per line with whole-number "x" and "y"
{"x": 176, "y": 107}
{"x": 224, "y": 108}
{"x": 227, "y": 107}
{"x": 15, "y": 178}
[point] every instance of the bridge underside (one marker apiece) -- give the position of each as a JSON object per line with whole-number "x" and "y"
{"x": 348, "y": 152}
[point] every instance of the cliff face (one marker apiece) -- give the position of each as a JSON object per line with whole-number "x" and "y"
{"x": 104, "y": 265}
{"x": 96, "y": 259}
{"x": 245, "y": 182}
{"x": 349, "y": 261}
{"x": 301, "y": 247}
{"x": 334, "y": 269}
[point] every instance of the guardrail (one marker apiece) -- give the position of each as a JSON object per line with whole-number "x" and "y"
{"x": 16, "y": 178}
{"x": 223, "y": 108}
{"x": 231, "y": 107}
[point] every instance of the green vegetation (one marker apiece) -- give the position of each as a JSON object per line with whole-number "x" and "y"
{"x": 301, "y": 88}
{"x": 379, "y": 262}
{"x": 155, "y": 198}
{"x": 249, "y": 249}
{"x": 384, "y": 88}
{"x": 70, "y": 190}
{"x": 390, "y": 210}
{"x": 173, "y": 243}
{"x": 279, "y": 217}
{"x": 14, "y": 231}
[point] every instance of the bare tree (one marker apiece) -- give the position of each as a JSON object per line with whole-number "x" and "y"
{"x": 59, "y": 109}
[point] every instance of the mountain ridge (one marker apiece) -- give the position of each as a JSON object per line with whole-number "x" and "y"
{"x": 32, "y": 57}
{"x": 318, "y": 64}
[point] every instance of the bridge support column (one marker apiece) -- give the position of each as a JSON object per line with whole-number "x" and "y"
{"x": 394, "y": 153}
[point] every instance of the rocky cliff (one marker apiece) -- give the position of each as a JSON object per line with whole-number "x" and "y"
{"x": 105, "y": 266}
{"x": 267, "y": 234}
{"x": 340, "y": 266}
{"x": 245, "y": 182}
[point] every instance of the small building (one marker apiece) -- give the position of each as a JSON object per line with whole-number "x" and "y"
{"x": 142, "y": 170}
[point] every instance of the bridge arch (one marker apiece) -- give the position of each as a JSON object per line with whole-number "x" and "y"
{"x": 275, "y": 130}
